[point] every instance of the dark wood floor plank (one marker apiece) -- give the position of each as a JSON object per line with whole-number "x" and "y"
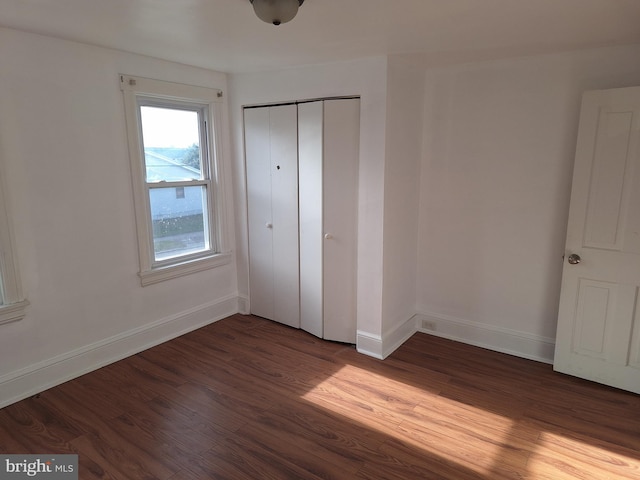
{"x": 168, "y": 434}
{"x": 305, "y": 454}
{"x": 90, "y": 470}
{"x": 157, "y": 443}
{"x": 113, "y": 454}
{"x": 146, "y": 373}
{"x": 221, "y": 407}
{"x": 25, "y": 423}
{"x": 398, "y": 460}
{"x": 337, "y": 433}
{"x": 33, "y": 418}
{"x": 104, "y": 444}
{"x": 8, "y": 441}
{"x": 247, "y": 398}
{"x": 325, "y": 439}
{"x": 240, "y": 457}
{"x": 125, "y": 382}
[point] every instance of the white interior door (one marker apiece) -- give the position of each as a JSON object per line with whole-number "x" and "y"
{"x": 271, "y": 147}
{"x": 598, "y": 335}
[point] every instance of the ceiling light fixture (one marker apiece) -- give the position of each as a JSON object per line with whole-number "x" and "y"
{"x": 276, "y": 11}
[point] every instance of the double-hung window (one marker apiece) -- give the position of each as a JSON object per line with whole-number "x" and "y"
{"x": 173, "y": 146}
{"x": 12, "y": 302}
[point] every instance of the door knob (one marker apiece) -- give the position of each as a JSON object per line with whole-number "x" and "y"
{"x": 574, "y": 259}
{"x": 328, "y": 236}
{"x": 269, "y": 225}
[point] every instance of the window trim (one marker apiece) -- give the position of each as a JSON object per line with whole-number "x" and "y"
{"x": 158, "y": 91}
{"x": 13, "y": 302}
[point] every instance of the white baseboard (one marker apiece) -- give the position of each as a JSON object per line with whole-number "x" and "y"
{"x": 513, "y": 342}
{"x": 38, "y": 377}
{"x": 369, "y": 344}
{"x": 396, "y": 337}
{"x": 243, "y": 305}
{"x": 382, "y": 346}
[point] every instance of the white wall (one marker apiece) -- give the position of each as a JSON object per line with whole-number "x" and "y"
{"x": 64, "y": 147}
{"x": 365, "y": 78}
{"x": 495, "y": 184}
{"x": 405, "y": 100}
{"x": 491, "y": 200}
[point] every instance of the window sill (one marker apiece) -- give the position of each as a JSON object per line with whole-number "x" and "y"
{"x": 13, "y": 312}
{"x": 161, "y": 274}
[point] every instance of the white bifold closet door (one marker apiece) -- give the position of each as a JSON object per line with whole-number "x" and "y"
{"x": 302, "y": 193}
{"x": 328, "y": 151}
{"x": 272, "y": 191}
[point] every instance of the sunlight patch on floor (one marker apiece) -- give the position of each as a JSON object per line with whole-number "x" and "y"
{"x": 427, "y": 422}
{"x": 559, "y": 456}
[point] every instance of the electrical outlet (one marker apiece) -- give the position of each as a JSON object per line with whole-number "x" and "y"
{"x": 427, "y": 325}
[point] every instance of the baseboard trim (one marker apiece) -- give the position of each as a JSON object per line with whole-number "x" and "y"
{"x": 243, "y": 305}
{"x": 393, "y": 339}
{"x": 369, "y": 344}
{"x": 41, "y": 376}
{"x": 512, "y": 342}
{"x": 381, "y": 347}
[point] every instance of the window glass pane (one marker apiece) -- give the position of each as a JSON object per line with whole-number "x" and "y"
{"x": 179, "y": 223}
{"x": 171, "y": 140}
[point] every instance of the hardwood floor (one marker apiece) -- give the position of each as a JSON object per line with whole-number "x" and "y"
{"x": 246, "y": 398}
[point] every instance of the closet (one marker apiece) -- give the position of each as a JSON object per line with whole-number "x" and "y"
{"x": 302, "y": 194}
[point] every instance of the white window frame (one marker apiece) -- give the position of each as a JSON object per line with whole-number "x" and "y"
{"x": 138, "y": 90}
{"x": 13, "y": 303}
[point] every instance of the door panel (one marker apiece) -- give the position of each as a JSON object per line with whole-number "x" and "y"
{"x": 272, "y": 199}
{"x": 607, "y": 202}
{"x": 310, "y": 134}
{"x": 341, "y": 154}
{"x": 258, "y": 155}
{"x": 284, "y": 207}
{"x": 594, "y": 317}
{"x": 598, "y": 334}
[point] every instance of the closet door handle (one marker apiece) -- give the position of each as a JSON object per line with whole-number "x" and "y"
{"x": 269, "y": 225}
{"x": 328, "y": 236}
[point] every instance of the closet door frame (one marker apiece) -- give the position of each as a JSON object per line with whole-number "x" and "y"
{"x": 326, "y": 159}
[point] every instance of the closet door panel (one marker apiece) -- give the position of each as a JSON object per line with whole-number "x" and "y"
{"x": 258, "y": 157}
{"x": 284, "y": 207}
{"x": 310, "y": 141}
{"x": 341, "y": 154}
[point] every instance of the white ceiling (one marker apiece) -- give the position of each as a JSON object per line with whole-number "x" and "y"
{"x": 225, "y": 35}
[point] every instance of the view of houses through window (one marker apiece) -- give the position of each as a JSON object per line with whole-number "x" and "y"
{"x": 174, "y": 171}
